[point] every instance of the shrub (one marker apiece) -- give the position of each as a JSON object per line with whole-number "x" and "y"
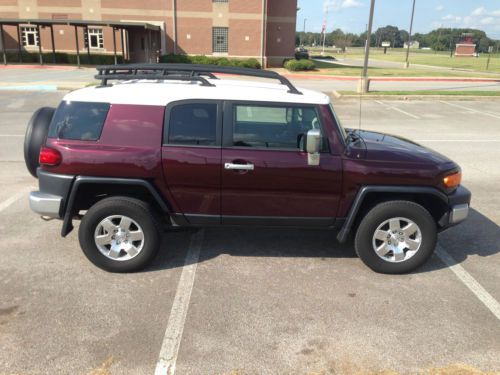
{"x": 201, "y": 59}
{"x": 64, "y": 58}
{"x": 299, "y": 65}
{"x": 249, "y": 63}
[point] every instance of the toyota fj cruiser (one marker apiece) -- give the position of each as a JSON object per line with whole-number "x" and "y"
{"x": 178, "y": 144}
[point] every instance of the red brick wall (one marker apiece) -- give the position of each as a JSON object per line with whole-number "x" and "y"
{"x": 238, "y": 30}
{"x": 136, "y": 4}
{"x": 194, "y": 5}
{"x": 465, "y": 49}
{"x": 60, "y": 3}
{"x": 280, "y": 30}
{"x": 244, "y": 20}
{"x": 201, "y": 36}
{"x": 245, "y": 6}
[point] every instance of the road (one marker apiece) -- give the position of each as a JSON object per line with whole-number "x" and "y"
{"x": 256, "y": 301}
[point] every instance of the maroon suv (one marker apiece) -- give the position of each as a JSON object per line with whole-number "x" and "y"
{"x": 176, "y": 144}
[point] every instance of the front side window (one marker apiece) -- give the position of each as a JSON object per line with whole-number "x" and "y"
{"x": 78, "y": 120}
{"x": 95, "y": 38}
{"x": 219, "y": 40}
{"x": 30, "y": 36}
{"x": 273, "y": 127}
{"x": 193, "y": 124}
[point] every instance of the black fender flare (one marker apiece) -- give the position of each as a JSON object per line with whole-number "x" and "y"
{"x": 363, "y": 192}
{"x": 67, "y": 226}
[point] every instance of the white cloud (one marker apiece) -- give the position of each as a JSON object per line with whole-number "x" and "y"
{"x": 351, "y": 4}
{"x": 488, "y": 21}
{"x": 468, "y": 20}
{"x": 496, "y": 13}
{"x": 439, "y": 8}
{"x": 452, "y": 18}
{"x": 478, "y": 11}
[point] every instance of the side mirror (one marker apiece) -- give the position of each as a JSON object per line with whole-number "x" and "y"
{"x": 312, "y": 143}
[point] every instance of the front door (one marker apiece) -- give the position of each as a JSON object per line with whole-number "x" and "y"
{"x": 266, "y": 178}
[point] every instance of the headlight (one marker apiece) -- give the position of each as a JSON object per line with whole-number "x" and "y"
{"x": 452, "y": 180}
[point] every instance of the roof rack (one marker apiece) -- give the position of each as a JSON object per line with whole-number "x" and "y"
{"x": 183, "y": 72}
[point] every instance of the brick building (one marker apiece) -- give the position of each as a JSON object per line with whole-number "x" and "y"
{"x": 466, "y": 47}
{"x": 143, "y": 29}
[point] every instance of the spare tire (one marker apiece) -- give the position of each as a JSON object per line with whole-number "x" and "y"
{"x": 36, "y": 134}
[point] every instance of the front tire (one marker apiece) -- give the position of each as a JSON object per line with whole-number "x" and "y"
{"x": 396, "y": 237}
{"x": 120, "y": 234}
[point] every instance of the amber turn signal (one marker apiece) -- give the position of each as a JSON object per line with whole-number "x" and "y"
{"x": 453, "y": 180}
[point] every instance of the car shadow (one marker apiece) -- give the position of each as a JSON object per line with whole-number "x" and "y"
{"x": 460, "y": 242}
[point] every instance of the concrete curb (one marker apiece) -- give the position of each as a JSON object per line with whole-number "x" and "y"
{"x": 337, "y": 96}
{"x": 391, "y": 79}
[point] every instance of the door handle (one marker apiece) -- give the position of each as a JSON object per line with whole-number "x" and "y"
{"x": 239, "y": 167}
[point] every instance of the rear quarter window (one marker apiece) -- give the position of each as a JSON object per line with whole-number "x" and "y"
{"x": 78, "y": 120}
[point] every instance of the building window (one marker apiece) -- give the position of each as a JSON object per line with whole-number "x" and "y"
{"x": 219, "y": 39}
{"x": 95, "y": 38}
{"x": 30, "y": 36}
{"x": 220, "y": 1}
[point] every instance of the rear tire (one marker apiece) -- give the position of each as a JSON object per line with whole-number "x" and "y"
{"x": 120, "y": 234}
{"x": 396, "y": 237}
{"x": 35, "y": 137}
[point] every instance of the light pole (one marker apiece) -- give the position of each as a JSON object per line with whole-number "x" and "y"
{"x": 363, "y": 83}
{"x": 407, "y": 63}
{"x": 303, "y": 32}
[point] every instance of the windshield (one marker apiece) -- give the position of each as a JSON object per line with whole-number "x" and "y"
{"x": 341, "y": 128}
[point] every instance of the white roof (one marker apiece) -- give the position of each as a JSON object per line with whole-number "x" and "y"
{"x": 161, "y": 93}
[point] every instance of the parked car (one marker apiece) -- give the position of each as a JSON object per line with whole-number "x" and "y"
{"x": 174, "y": 144}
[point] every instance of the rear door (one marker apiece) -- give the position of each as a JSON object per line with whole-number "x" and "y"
{"x": 191, "y": 158}
{"x": 266, "y": 178}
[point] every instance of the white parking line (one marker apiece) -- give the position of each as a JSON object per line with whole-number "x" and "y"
{"x": 470, "y": 109}
{"x": 175, "y": 326}
{"x": 6, "y": 203}
{"x": 471, "y": 283}
{"x": 397, "y": 109}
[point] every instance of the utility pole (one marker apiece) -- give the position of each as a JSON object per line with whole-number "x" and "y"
{"x": 407, "y": 63}
{"x": 451, "y": 42}
{"x": 364, "y": 83}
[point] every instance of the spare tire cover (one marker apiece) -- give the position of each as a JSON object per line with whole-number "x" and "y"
{"x": 36, "y": 134}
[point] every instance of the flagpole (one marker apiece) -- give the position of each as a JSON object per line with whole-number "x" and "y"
{"x": 324, "y": 28}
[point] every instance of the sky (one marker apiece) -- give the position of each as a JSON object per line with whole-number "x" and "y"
{"x": 352, "y": 15}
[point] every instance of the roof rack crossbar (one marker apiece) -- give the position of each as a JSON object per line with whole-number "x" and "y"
{"x": 138, "y": 76}
{"x": 193, "y": 72}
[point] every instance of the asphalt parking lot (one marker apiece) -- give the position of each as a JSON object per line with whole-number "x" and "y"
{"x": 258, "y": 301}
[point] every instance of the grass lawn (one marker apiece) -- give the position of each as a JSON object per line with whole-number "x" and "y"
{"x": 423, "y": 57}
{"x": 427, "y": 92}
{"x": 342, "y": 70}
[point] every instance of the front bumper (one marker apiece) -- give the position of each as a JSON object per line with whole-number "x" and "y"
{"x": 458, "y": 203}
